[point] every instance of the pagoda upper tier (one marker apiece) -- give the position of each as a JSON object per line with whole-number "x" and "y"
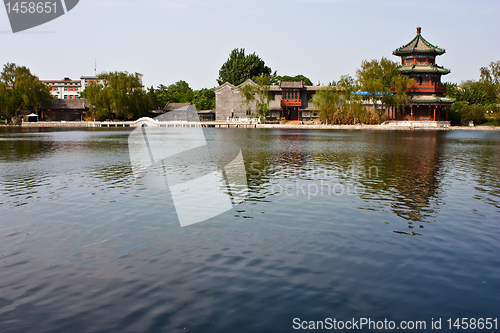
{"x": 418, "y": 45}
{"x": 419, "y": 57}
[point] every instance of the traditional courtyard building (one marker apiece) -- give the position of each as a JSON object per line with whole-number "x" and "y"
{"x": 427, "y": 99}
{"x": 64, "y": 110}
{"x": 288, "y": 100}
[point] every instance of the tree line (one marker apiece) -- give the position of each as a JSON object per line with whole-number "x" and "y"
{"x": 338, "y": 103}
{"x": 477, "y": 101}
{"x": 121, "y": 95}
{"x": 380, "y": 81}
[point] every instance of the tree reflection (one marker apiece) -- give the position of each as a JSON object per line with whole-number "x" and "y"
{"x": 402, "y": 167}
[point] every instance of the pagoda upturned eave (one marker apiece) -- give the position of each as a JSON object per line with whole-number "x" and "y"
{"x": 426, "y": 69}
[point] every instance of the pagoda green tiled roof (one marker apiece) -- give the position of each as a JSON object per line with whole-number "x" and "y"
{"x": 430, "y": 99}
{"x": 427, "y": 68}
{"x": 418, "y": 45}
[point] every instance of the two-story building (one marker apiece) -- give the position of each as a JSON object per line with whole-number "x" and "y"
{"x": 69, "y": 89}
{"x": 288, "y": 100}
{"x": 65, "y": 88}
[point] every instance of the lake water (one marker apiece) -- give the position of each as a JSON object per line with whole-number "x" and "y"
{"x": 396, "y": 225}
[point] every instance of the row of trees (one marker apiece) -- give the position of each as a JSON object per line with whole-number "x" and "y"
{"x": 477, "y": 101}
{"x": 237, "y": 69}
{"x": 116, "y": 95}
{"x": 338, "y": 103}
{"x": 380, "y": 80}
{"x": 122, "y": 95}
{"x": 181, "y": 92}
{"x": 20, "y": 91}
{"x": 240, "y": 67}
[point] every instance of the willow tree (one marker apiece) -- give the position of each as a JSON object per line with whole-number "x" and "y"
{"x": 117, "y": 95}
{"x": 327, "y": 102}
{"x": 400, "y": 85}
{"x": 21, "y": 90}
{"x": 491, "y": 73}
{"x": 376, "y": 78}
{"x": 350, "y": 102}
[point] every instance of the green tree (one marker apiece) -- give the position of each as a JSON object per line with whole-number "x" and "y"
{"x": 120, "y": 95}
{"x": 161, "y": 95}
{"x": 491, "y": 73}
{"x": 179, "y": 92}
{"x": 474, "y": 92}
{"x": 240, "y": 67}
{"x": 376, "y": 78}
{"x": 204, "y": 99}
{"x": 302, "y": 78}
{"x": 473, "y": 113}
{"x": 21, "y": 90}
{"x": 350, "y": 103}
{"x": 400, "y": 86}
{"x": 327, "y": 102}
{"x": 152, "y": 100}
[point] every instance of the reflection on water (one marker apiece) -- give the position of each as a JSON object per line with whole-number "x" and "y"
{"x": 382, "y": 224}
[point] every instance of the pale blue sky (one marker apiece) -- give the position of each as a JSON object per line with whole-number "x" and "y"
{"x": 189, "y": 40}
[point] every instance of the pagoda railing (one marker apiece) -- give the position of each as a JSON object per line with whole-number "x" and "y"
{"x": 291, "y": 102}
{"x": 429, "y": 87}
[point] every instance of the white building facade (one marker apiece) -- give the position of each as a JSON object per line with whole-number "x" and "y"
{"x": 69, "y": 89}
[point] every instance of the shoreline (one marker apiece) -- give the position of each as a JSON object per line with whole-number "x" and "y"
{"x": 84, "y": 124}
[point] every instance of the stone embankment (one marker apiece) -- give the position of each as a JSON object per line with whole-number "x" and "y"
{"x": 153, "y": 123}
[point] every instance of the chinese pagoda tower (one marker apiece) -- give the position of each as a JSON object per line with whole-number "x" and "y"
{"x": 426, "y": 98}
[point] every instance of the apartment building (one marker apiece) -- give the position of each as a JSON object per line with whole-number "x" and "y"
{"x": 68, "y": 88}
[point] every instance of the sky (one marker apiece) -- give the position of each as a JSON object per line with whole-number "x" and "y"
{"x": 171, "y": 40}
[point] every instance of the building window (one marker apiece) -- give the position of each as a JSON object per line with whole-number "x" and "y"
{"x": 249, "y": 112}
